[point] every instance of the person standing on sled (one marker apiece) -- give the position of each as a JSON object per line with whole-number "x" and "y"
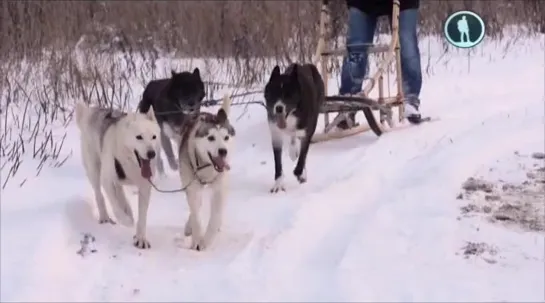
{"x": 362, "y": 22}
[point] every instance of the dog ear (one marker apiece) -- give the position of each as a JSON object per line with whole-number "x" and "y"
{"x": 221, "y": 116}
{"x": 294, "y": 72}
{"x": 275, "y": 73}
{"x": 197, "y": 72}
{"x": 151, "y": 114}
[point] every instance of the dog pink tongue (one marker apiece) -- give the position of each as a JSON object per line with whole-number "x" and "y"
{"x": 281, "y": 121}
{"x": 221, "y": 163}
{"x": 145, "y": 170}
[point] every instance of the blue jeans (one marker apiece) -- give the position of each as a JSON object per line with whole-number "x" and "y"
{"x": 361, "y": 30}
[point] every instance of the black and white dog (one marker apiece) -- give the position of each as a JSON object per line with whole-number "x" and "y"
{"x": 293, "y": 101}
{"x": 174, "y": 100}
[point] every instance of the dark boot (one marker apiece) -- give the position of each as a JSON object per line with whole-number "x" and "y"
{"x": 349, "y": 122}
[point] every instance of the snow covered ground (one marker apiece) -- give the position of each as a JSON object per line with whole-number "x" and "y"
{"x": 378, "y": 220}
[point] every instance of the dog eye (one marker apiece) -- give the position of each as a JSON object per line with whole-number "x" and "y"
{"x": 154, "y": 137}
{"x": 226, "y": 138}
{"x": 211, "y": 138}
{"x": 139, "y": 137}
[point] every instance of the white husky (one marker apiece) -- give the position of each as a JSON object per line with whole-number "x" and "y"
{"x": 203, "y": 161}
{"x": 119, "y": 149}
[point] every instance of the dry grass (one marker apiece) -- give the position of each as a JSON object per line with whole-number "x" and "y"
{"x": 514, "y": 204}
{"x": 54, "y": 52}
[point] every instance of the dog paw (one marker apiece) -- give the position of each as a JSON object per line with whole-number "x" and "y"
{"x": 278, "y": 185}
{"x": 106, "y": 220}
{"x": 277, "y": 188}
{"x": 141, "y": 243}
{"x": 301, "y": 175}
{"x": 198, "y": 245}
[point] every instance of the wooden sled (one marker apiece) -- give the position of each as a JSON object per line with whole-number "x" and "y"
{"x": 390, "y": 54}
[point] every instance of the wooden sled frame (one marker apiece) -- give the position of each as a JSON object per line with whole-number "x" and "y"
{"x": 345, "y": 104}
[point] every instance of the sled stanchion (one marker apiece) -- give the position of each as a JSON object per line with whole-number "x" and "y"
{"x": 399, "y": 76}
{"x": 322, "y": 41}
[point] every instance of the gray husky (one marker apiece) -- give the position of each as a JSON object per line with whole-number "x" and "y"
{"x": 293, "y": 101}
{"x": 119, "y": 149}
{"x": 204, "y": 162}
{"x": 174, "y": 100}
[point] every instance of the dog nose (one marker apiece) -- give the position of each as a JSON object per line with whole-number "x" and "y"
{"x": 150, "y": 154}
{"x": 222, "y": 152}
{"x": 279, "y": 109}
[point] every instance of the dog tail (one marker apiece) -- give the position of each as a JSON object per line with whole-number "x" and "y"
{"x": 81, "y": 113}
{"x": 226, "y": 104}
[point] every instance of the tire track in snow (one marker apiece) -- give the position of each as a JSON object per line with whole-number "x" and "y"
{"x": 311, "y": 249}
{"x": 392, "y": 235}
{"x": 320, "y": 228}
{"x": 280, "y": 210}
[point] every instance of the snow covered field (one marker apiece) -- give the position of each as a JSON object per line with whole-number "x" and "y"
{"x": 378, "y": 220}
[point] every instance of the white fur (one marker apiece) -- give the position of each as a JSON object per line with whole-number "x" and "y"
{"x": 291, "y": 123}
{"x": 295, "y": 147}
{"x": 278, "y": 135}
{"x": 226, "y": 104}
{"x": 118, "y": 142}
{"x": 203, "y": 145}
{"x": 294, "y": 135}
{"x": 217, "y": 182}
{"x": 278, "y": 185}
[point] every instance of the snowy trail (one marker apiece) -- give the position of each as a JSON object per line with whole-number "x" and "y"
{"x": 323, "y": 229}
{"x": 375, "y": 221}
{"x": 402, "y": 243}
{"x": 326, "y": 225}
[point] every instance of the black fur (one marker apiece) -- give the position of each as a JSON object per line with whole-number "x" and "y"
{"x": 119, "y": 170}
{"x": 301, "y": 89}
{"x": 168, "y": 97}
{"x": 182, "y": 91}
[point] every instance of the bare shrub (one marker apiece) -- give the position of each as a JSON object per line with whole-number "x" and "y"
{"x": 55, "y": 52}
